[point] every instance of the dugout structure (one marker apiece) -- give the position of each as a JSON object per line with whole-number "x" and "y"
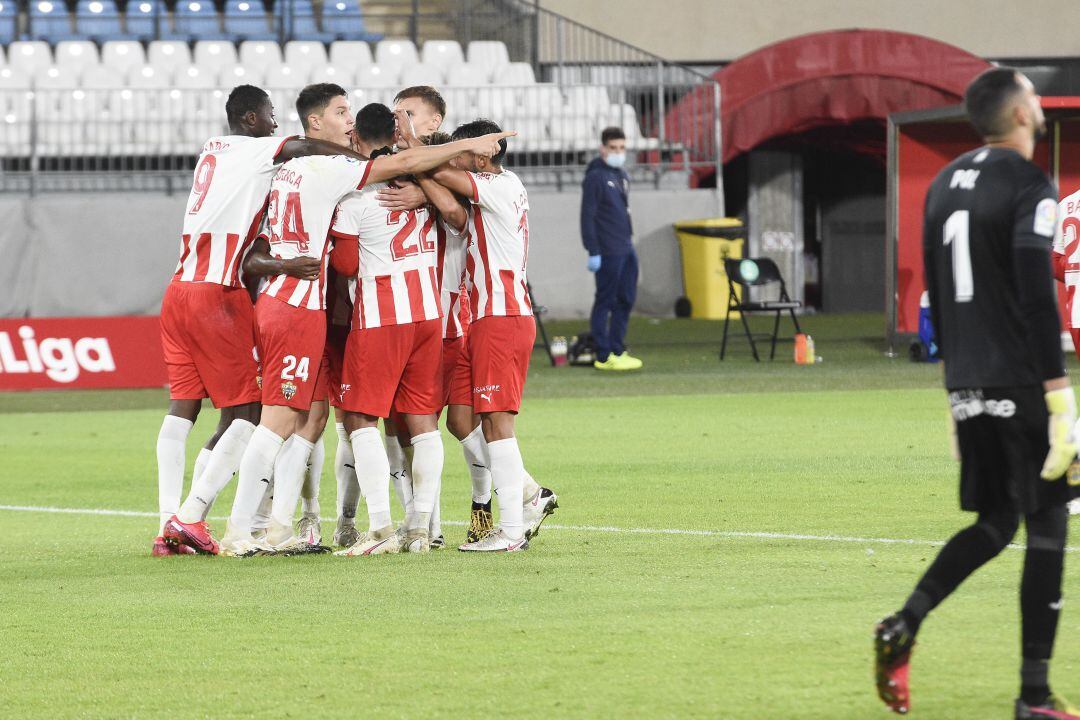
{"x": 920, "y": 144}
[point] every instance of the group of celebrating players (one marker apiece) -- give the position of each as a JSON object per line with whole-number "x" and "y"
{"x": 389, "y": 262}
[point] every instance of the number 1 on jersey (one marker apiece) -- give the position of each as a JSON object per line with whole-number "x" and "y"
{"x": 957, "y": 234}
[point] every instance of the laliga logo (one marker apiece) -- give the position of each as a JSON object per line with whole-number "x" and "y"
{"x": 59, "y": 358}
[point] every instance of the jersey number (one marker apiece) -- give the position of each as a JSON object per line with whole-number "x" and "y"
{"x": 523, "y": 226}
{"x": 294, "y": 369}
{"x": 957, "y": 234}
{"x": 204, "y": 175}
{"x": 399, "y": 247}
{"x": 289, "y": 219}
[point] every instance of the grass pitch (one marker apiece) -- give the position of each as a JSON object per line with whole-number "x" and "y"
{"x": 718, "y": 553}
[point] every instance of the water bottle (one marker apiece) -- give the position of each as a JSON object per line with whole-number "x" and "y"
{"x": 558, "y": 350}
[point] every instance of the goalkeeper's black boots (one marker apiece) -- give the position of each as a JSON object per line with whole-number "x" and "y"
{"x": 893, "y": 641}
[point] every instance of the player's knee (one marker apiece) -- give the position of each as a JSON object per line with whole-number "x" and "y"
{"x": 1048, "y": 529}
{"x": 1001, "y": 527}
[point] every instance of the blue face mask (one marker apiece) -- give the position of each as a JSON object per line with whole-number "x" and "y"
{"x": 615, "y": 160}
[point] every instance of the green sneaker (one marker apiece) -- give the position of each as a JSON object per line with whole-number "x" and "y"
{"x": 630, "y": 362}
{"x": 612, "y": 363}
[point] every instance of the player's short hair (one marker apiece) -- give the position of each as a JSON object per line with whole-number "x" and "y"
{"x": 437, "y": 138}
{"x": 315, "y": 98}
{"x": 428, "y": 94}
{"x": 375, "y": 124}
{"x": 478, "y": 127}
{"x": 611, "y": 133}
{"x": 987, "y": 97}
{"x": 242, "y": 100}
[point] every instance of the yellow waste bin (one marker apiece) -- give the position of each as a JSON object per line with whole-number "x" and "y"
{"x": 705, "y": 244}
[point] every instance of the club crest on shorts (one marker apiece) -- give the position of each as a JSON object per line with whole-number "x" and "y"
{"x": 258, "y": 381}
{"x": 288, "y": 389}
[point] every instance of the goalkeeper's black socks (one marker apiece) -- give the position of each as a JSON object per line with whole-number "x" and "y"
{"x": 1040, "y": 599}
{"x": 966, "y": 552}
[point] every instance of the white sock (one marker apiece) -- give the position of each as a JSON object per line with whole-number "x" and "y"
{"x": 399, "y": 472}
{"x": 530, "y": 489}
{"x": 256, "y": 471}
{"x": 508, "y": 475}
{"x": 262, "y": 515}
{"x": 372, "y": 472}
{"x": 171, "y": 460}
{"x": 200, "y": 464}
{"x": 309, "y": 495}
{"x": 427, "y": 467}
{"x": 435, "y": 526}
{"x": 289, "y": 471}
{"x": 473, "y": 446}
{"x": 348, "y": 489}
{"x": 223, "y": 461}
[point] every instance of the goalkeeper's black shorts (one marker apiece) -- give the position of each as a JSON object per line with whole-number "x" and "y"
{"x": 1003, "y": 437}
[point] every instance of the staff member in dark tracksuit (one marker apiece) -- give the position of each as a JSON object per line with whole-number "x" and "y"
{"x": 606, "y": 232}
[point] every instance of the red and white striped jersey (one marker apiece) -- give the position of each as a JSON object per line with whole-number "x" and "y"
{"x": 1067, "y": 255}
{"x": 498, "y": 245}
{"x": 397, "y": 282}
{"x": 227, "y": 200}
{"x": 300, "y": 213}
{"x": 452, "y": 251}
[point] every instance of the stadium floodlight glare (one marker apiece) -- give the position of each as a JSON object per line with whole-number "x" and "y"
{"x": 244, "y": 7}
{"x": 96, "y": 7}
{"x": 194, "y": 7}
{"x": 145, "y": 8}
{"x": 45, "y": 7}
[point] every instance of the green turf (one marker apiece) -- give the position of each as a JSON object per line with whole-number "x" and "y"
{"x": 587, "y": 623}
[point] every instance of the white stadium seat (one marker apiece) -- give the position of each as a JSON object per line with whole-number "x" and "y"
{"x": 488, "y": 54}
{"x": 148, "y": 76}
{"x": 76, "y": 53}
{"x": 343, "y": 76}
{"x": 466, "y": 75}
{"x": 170, "y": 55}
{"x": 12, "y": 79}
{"x": 287, "y": 77}
{"x": 515, "y": 74}
{"x": 260, "y": 54}
{"x": 421, "y": 74}
{"x": 241, "y": 75}
{"x": 543, "y": 100}
{"x": 532, "y": 133}
{"x": 29, "y": 56}
{"x": 460, "y": 102}
{"x": 215, "y": 54}
{"x": 586, "y": 99}
{"x": 98, "y": 77}
{"x": 395, "y": 54}
{"x": 350, "y": 53}
{"x": 122, "y": 55}
{"x": 57, "y": 77}
{"x": 442, "y": 53}
{"x": 195, "y": 77}
{"x": 496, "y": 102}
{"x": 376, "y": 77}
{"x": 303, "y": 55}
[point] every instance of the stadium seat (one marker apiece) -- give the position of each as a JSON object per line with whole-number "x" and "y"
{"x": 57, "y": 77}
{"x": 149, "y": 76}
{"x": 466, "y": 75}
{"x": 442, "y": 53}
{"x": 215, "y": 55}
{"x": 98, "y": 20}
{"x": 297, "y": 20}
{"x": 343, "y": 76}
{"x": 76, "y": 53}
{"x": 488, "y": 54}
{"x": 343, "y": 20}
{"x": 302, "y": 55}
{"x": 13, "y": 79}
{"x": 359, "y": 97}
{"x": 259, "y": 53}
{"x": 395, "y": 54}
{"x": 146, "y": 19}
{"x": 122, "y": 55}
{"x": 196, "y": 20}
{"x": 28, "y": 56}
{"x": 9, "y": 21}
{"x": 196, "y": 78}
{"x": 587, "y": 99}
{"x": 543, "y": 100}
{"x": 515, "y": 75}
{"x": 235, "y": 75}
{"x": 375, "y": 77}
{"x": 169, "y": 55}
{"x": 50, "y": 21}
{"x": 767, "y": 274}
{"x": 246, "y": 20}
{"x": 496, "y": 103}
{"x": 460, "y": 102}
{"x": 626, "y": 117}
{"x": 351, "y": 53}
{"x": 98, "y": 77}
{"x": 286, "y": 77}
{"x": 532, "y": 133}
{"x": 421, "y": 74}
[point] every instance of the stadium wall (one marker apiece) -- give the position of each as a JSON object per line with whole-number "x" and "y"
{"x": 722, "y": 30}
{"x": 101, "y": 254}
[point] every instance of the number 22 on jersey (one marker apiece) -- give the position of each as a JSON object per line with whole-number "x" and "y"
{"x": 400, "y": 247}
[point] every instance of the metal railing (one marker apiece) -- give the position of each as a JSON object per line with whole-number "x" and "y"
{"x": 567, "y": 83}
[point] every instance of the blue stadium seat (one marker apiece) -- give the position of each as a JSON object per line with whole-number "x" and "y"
{"x": 298, "y": 19}
{"x": 246, "y": 20}
{"x": 196, "y": 20}
{"x": 98, "y": 20}
{"x": 50, "y": 21}
{"x": 343, "y": 19}
{"x": 142, "y": 18}
{"x": 9, "y": 15}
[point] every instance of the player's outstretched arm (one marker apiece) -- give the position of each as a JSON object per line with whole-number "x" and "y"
{"x": 456, "y": 181}
{"x": 445, "y": 202}
{"x": 304, "y": 147}
{"x": 259, "y": 262}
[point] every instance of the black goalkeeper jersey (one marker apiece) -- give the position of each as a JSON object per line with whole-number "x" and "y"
{"x": 990, "y": 221}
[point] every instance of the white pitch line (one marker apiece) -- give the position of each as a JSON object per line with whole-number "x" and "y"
{"x": 735, "y": 534}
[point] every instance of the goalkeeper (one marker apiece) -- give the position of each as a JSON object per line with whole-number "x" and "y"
{"x": 990, "y": 218}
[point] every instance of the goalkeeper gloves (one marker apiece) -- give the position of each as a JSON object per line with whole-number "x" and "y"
{"x": 1062, "y": 406}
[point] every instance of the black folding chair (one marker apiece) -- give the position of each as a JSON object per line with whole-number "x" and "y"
{"x": 767, "y": 274}
{"x": 539, "y": 311}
